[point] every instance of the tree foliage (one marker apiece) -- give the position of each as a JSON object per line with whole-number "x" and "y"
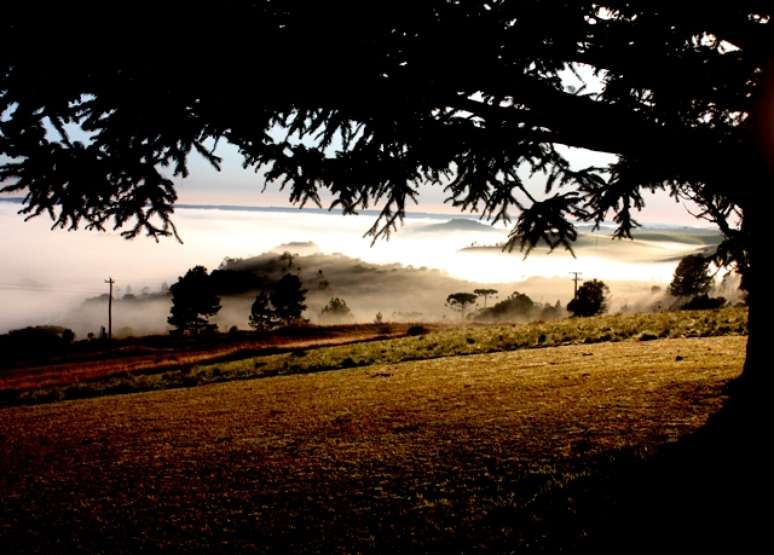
{"x": 691, "y": 277}
{"x": 459, "y": 302}
{"x": 679, "y": 92}
{"x": 263, "y": 317}
{"x": 486, "y": 293}
{"x": 193, "y": 301}
{"x": 590, "y": 300}
{"x": 336, "y": 309}
{"x": 287, "y": 296}
{"x": 405, "y": 102}
{"x": 515, "y": 306}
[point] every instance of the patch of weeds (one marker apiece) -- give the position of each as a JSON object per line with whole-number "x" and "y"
{"x": 347, "y": 362}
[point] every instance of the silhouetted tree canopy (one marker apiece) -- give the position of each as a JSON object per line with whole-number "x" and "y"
{"x": 590, "y": 300}
{"x": 515, "y": 306}
{"x": 486, "y": 293}
{"x": 459, "y": 302}
{"x": 287, "y": 296}
{"x": 368, "y": 100}
{"x": 193, "y": 302}
{"x": 235, "y": 282}
{"x": 691, "y": 277}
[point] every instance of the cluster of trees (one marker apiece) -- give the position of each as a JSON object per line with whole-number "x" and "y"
{"x": 281, "y": 305}
{"x": 465, "y": 115}
{"x": 196, "y": 298}
{"x": 517, "y": 306}
{"x": 691, "y": 286}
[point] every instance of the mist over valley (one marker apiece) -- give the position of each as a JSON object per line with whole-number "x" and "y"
{"x": 48, "y": 277}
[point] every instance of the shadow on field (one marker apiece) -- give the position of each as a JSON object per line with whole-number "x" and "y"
{"x": 709, "y": 492}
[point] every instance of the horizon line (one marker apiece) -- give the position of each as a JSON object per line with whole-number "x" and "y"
{"x": 366, "y": 212}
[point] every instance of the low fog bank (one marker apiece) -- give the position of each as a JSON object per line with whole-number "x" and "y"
{"x": 47, "y": 274}
{"x": 399, "y": 293}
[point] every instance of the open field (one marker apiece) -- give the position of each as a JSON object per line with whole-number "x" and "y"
{"x": 155, "y": 354}
{"x": 446, "y": 454}
{"x": 359, "y": 345}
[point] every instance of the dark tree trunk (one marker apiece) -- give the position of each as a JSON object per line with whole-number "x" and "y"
{"x": 756, "y": 379}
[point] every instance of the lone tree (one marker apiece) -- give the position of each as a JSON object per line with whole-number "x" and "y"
{"x": 193, "y": 302}
{"x": 485, "y": 293}
{"x": 590, "y": 300}
{"x": 691, "y": 277}
{"x": 287, "y": 296}
{"x": 680, "y": 93}
{"x": 459, "y": 302}
{"x": 336, "y": 310}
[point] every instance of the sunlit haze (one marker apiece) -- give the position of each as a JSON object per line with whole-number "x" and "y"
{"x": 47, "y": 272}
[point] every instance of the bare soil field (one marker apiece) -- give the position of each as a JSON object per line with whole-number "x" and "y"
{"x": 452, "y": 454}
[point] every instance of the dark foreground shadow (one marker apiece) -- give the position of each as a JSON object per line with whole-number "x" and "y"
{"x": 708, "y": 493}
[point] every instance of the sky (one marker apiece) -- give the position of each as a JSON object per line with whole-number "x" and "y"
{"x": 234, "y": 185}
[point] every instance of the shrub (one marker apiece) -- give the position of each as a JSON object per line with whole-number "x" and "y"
{"x": 416, "y": 330}
{"x": 704, "y": 302}
{"x": 590, "y": 300}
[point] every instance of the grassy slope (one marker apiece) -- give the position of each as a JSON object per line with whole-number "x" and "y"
{"x": 451, "y": 342}
{"x": 446, "y": 454}
{"x": 155, "y": 354}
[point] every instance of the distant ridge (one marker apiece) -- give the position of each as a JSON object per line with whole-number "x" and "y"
{"x": 453, "y": 221}
{"x": 295, "y": 210}
{"x": 458, "y": 224}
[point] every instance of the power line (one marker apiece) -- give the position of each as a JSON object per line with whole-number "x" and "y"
{"x": 110, "y": 281}
{"x": 575, "y": 281}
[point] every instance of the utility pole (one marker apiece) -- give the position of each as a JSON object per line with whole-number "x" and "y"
{"x": 575, "y": 280}
{"x": 110, "y": 281}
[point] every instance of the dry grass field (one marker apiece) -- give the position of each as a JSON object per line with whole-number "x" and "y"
{"x": 451, "y": 454}
{"x": 140, "y": 359}
{"x": 345, "y": 347}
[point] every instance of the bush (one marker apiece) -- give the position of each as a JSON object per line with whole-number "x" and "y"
{"x": 590, "y": 300}
{"x": 704, "y": 302}
{"x": 416, "y": 330}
